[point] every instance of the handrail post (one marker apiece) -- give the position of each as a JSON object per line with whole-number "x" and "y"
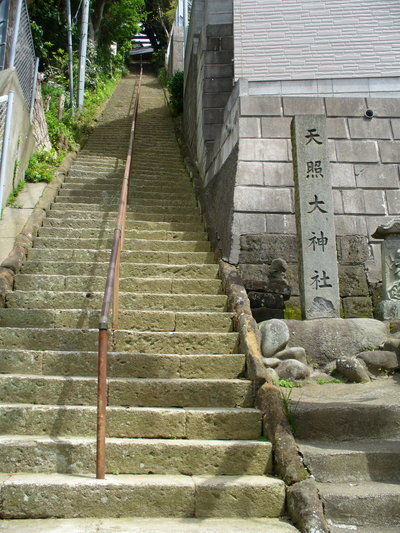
{"x": 101, "y": 404}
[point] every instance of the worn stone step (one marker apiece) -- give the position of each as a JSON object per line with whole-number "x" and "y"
{"x": 151, "y": 200}
{"x": 93, "y": 172}
{"x": 131, "y": 422}
{"x": 364, "y": 503}
{"x": 63, "y": 495}
{"x": 353, "y": 461}
{"x": 111, "y": 204}
{"x": 33, "y": 282}
{"x": 134, "y": 320}
{"x": 94, "y": 187}
{"x": 154, "y": 525}
{"x": 356, "y": 411}
{"x": 135, "y": 456}
{"x": 127, "y": 392}
{"x": 123, "y": 364}
{"x": 122, "y": 340}
{"x": 128, "y": 301}
{"x": 97, "y": 189}
{"x": 109, "y": 223}
{"x": 111, "y": 214}
{"x": 127, "y": 256}
{"x": 127, "y": 269}
{"x": 96, "y": 233}
{"x": 129, "y": 244}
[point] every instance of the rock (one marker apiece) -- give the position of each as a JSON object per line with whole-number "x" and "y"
{"x": 271, "y": 362}
{"x": 393, "y": 345}
{"x": 353, "y": 369}
{"x": 305, "y": 507}
{"x": 272, "y": 376}
{"x": 293, "y": 369}
{"x": 321, "y": 375}
{"x": 274, "y": 336}
{"x": 326, "y": 339}
{"x": 297, "y": 352}
{"x": 377, "y": 361}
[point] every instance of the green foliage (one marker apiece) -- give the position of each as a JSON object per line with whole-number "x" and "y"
{"x": 121, "y": 22}
{"x": 41, "y": 166}
{"x": 322, "y": 381}
{"x": 292, "y": 312}
{"x": 175, "y": 89}
{"x": 12, "y": 199}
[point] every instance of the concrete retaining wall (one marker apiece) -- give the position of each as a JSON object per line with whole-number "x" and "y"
{"x": 21, "y": 139}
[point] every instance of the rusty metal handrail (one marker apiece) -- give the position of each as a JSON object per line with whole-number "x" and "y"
{"x": 111, "y": 294}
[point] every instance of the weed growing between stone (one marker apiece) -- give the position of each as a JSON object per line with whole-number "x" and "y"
{"x": 12, "y": 199}
{"x": 288, "y": 406}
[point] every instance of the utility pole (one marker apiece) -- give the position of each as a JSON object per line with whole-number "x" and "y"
{"x": 83, "y": 52}
{"x": 70, "y": 59}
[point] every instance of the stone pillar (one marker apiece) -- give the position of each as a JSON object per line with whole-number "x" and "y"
{"x": 389, "y": 308}
{"x": 318, "y": 269}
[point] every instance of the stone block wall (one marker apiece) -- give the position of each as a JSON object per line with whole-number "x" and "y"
{"x": 257, "y": 252}
{"x": 364, "y": 159}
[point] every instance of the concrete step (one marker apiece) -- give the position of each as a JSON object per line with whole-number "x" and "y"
{"x": 128, "y": 301}
{"x": 111, "y": 214}
{"x": 353, "y": 461}
{"x": 122, "y": 340}
{"x": 132, "y": 320}
{"x": 160, "y": 270}
{"x": 96, "y": 233}
{"x": 129, "y": 244}
{"x": 152, "y": 525}
{"x": 127, "y": 256}
{"x": 131, "y": 422}
{"x": 135, "y": 456}
{"x": 364, "y": 503}
{"x": 66, "y": 496}
{"x": 123, "y": 364}
{"x": 127, "y": 392}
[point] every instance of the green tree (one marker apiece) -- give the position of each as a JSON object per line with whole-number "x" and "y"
{"x": 158, "y": 21}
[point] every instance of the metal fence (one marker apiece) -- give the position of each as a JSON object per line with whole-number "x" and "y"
{"x": 22, "y": 52}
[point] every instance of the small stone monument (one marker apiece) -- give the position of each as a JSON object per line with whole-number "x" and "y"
{"x": 318, "y": 271}
{"x": 389, "y": 308}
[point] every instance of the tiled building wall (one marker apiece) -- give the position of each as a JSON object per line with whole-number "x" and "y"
{"x": 316, "y": 39}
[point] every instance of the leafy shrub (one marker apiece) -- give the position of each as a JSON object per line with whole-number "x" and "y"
{"x": 175, "y": 89}
{"x": 42, "y": 165}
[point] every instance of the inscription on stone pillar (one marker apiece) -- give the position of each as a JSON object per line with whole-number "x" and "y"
{"x": 318, "y": 269}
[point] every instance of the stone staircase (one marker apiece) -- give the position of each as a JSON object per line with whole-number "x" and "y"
{"x": 349, "y": 435}
{"x": 184, "y": 439}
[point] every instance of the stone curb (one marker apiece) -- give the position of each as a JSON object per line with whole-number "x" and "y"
{"x": 24, "y": 240}
{"x": 303, "y": 501}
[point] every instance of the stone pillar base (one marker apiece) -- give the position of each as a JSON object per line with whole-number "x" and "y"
{"x": 389, "y": 310}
